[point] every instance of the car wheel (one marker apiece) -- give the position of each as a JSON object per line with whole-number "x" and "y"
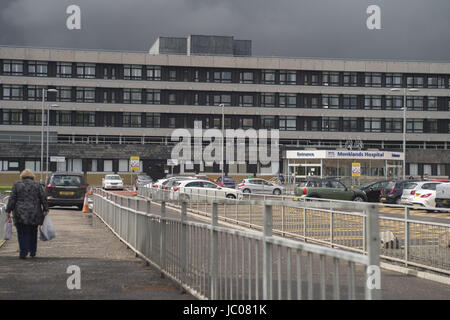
{"x": 246, "y": 191}
{"x": 231, "y": 196}
{"x": 277, "y": 192}
{"x": 358, "y": 199}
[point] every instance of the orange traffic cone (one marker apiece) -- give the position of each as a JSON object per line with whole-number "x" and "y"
{"x": 85, "y": 204}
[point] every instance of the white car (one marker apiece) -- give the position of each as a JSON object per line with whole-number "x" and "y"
{"x": 200, "y": 190}
{"x": 112, "y": 181}
{"x": 422, "y": 195}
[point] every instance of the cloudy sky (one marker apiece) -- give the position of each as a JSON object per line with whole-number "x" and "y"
{"x": 411, "y": 29}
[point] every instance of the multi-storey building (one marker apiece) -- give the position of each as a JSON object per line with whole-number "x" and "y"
{"x": 113, "y": 105}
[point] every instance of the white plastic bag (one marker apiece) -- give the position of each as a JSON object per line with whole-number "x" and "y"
{"x": 47, "y": 230}
{"x": 8, "y": 229}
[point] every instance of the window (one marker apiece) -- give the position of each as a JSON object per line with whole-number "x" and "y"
{"x": 132, "y": 119}
{"x": 246, "y": 77}
{"x": 350, "y": 125}
{"x": 268, "y": 76}
{"x": 153, "y": 73}
{"x": 172, "y": 75}
{"x": 85, "y": 70}
{"x": 373, "y": 79}
{"x": 64, "y": 94}
{"x": 288, "y": 100}
{"x": 63, "y": 118}
{"x": 246, "y": 100}
{"x": 350, "y": 79}
{"x": 330, "y": 124}
{"x": 35, "y": 117}
{"x": 63, "y": 70}
{"x": 132, "y": 96}
{"x": 415, "y": 103}
{"x": 394, "y": 102}
{"x": 432, "y": 103}
{"x": 222, "y": 76}
{"x": 393, "y": 125}
{"x": 414, "y": 125}
{"x": 246, "y": 123}
{"x": 432, "y": 126}
{"x": 107, "y": 165}
{"x": 153, "y": 120}
{"x": 34, "y": 93}
{"x": 372, "y": 125}
{"x": 311, "y": 78}
{"x": 85, "y": 94}
{"x": 222, "y": 99}
{"x": 12, "y": 67}
{"x": 350, "y": 102}
{"x": 172, "y": 98}
{"x": 267, "y": 122}
{"x": 414, "y": 81}
{"x": 372, "y": 102}
{"x": 172, "y": 122}
{"x": 153, "y": 96}
{"x": 12, "y": 116}
{"x": 85, "y": 119}
{"x": 132, "y": 72}
{"x": 330, "y": 101}
{"x": 218, "y": 123}
{"x": 288, "y": 124}
{"x": 12, "y": 92}
{"x": 394, "y": 80}
{"x": 37, "y": 68}
{"x": 330, "y": 78}
{"x": 288, "y": 77}
{"x": 268, "y": 100}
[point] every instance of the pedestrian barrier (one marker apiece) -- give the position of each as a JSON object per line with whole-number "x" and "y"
{"x": 217, "y": 262}
{"x": 3, "y": 202}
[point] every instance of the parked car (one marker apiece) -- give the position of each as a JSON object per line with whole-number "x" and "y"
{"x": 171, "y": 182}
{"x": 197, "y": 190}
{"x": 142, "y": 180}
{"x": 328, "y": 189}
{"x": 112, "y": 181}
{"x": 424, "y": 194}
{"x": 372, "y": 189}
{"x": 392, "y": 193}
{"x": 443, "y": 195}
{"x": 227, "y": 182}
{"x": 209, "y": 179}
{"x": 253, "y": 185}
{"x": 66, "y": 189}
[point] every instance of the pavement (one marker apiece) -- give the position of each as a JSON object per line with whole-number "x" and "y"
{"x": 108, "y": 269}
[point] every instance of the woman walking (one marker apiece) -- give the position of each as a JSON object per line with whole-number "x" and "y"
{"x": 29, "y": 206}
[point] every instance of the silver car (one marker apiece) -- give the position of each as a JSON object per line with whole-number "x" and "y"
{"x": 259, "y": 186}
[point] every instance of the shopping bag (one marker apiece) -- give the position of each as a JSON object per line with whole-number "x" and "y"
{"x": 8, "y": 229}
{"x": 47, "y": 230}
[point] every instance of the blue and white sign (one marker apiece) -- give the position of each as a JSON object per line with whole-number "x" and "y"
{"x": 344, "y": 154}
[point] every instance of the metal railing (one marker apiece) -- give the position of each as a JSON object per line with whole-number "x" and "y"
{"x": 216, "y": 262}
{"x": 412, "y": 242}
{"x": 3, "y": 202}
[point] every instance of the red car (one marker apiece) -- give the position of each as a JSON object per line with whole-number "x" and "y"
{"x": 209, "y": 179}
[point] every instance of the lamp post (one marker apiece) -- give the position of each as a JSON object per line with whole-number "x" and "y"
{"x": 48, "y": 125}
{"x": 223, "y": 138}
{"x": 42, "y": 131}
{"x": 405, "y": 93}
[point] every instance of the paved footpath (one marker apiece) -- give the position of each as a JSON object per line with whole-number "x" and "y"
{"x": 108, "y": 269}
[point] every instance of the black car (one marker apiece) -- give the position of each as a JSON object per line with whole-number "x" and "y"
{"x": 392, "y": 193}
{"x": 373, "y": 189}
{"x": 66, "y": 189}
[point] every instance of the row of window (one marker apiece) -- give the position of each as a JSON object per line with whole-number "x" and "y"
{"x": 260, "y": 76}
{"x": 284, "y": 123}
{"x": 282, "y": 100}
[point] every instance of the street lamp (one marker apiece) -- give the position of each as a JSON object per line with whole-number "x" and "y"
{"x": 42, "y": 130}
{"x": 48, "y": 125}
{"x": 405, "y": 93}
{"x": 223, "y": 138}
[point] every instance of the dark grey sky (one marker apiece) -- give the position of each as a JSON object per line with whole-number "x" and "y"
{"x": 411, "y": 29}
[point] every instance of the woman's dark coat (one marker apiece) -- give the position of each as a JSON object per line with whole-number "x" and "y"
{"x": 27, "y": 201}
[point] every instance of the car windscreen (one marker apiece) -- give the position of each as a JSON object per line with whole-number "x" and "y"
{"x": 365, "y": 185}
{"x": 113, "y": 178}
{"x": 67, "y": 181}
{"x": 410, "y": 185}
{"x": 144, "y": 178}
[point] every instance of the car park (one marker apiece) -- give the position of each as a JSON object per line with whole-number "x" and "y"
{"x": 199, "y": 190}
{"x": 443, "y": 195}
{"x": 259, "y": 186}
{"x": 66, "y": 189}
{"x": 112, "y": 181}
{"x": 392, "y": 193}
{"x": 328, "y": 189}
{"x": 227, "y": 181}
{"x": 372, "y": 189}
{"x": 142, "y": 180}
